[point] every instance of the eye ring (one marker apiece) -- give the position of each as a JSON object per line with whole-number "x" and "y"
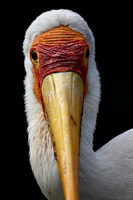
{"x": 34, "y": 56}
{"x": 87, "y": 53}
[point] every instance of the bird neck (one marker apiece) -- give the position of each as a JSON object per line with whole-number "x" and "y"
{"x": 89, "y": 180}
{"x": 88, "y": 168}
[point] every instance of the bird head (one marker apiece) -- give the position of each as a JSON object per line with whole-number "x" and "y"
{"x": 59, "y": 60}
{"x": 60, "y": 63}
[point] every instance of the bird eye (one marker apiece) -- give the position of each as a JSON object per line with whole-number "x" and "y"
{"x": 87, "y": 53}
{"x": 34, "y": 55}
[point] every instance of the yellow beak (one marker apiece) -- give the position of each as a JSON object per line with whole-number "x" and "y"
{"x": 63, "y": 99}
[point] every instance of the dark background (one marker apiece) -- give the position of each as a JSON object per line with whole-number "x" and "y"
{"x": 112, "y": 28}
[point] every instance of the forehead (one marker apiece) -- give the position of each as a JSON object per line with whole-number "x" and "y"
{"x": 59, "y": 35}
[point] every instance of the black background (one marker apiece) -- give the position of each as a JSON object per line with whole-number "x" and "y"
{"x": 112, "y": 28}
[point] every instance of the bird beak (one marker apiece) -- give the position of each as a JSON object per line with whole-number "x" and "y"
{"x": 63, "y": 99}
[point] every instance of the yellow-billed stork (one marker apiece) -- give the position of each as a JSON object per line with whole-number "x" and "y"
{"x": 62, "y": 94}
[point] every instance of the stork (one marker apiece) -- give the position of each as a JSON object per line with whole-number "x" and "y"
{"x": 62, "y": 94}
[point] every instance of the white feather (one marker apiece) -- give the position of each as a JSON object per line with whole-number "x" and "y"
{"x": 104, "y": 175}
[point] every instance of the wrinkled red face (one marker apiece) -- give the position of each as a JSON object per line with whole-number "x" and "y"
{"x": 58, "y": 50}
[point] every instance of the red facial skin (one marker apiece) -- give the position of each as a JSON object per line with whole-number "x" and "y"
{"x": 59, "y": 50}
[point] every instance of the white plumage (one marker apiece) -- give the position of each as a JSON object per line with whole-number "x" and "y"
{"x": 103, "y": 175}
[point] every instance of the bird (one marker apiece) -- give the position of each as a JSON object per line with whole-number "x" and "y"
{"x": 62, "y": 97}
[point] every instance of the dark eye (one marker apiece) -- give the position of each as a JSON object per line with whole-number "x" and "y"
{"x": 87, "y": 53}
{"x": 34, "y": 55}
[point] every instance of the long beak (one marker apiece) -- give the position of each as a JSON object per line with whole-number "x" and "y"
{"x": 63, "y": 98}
